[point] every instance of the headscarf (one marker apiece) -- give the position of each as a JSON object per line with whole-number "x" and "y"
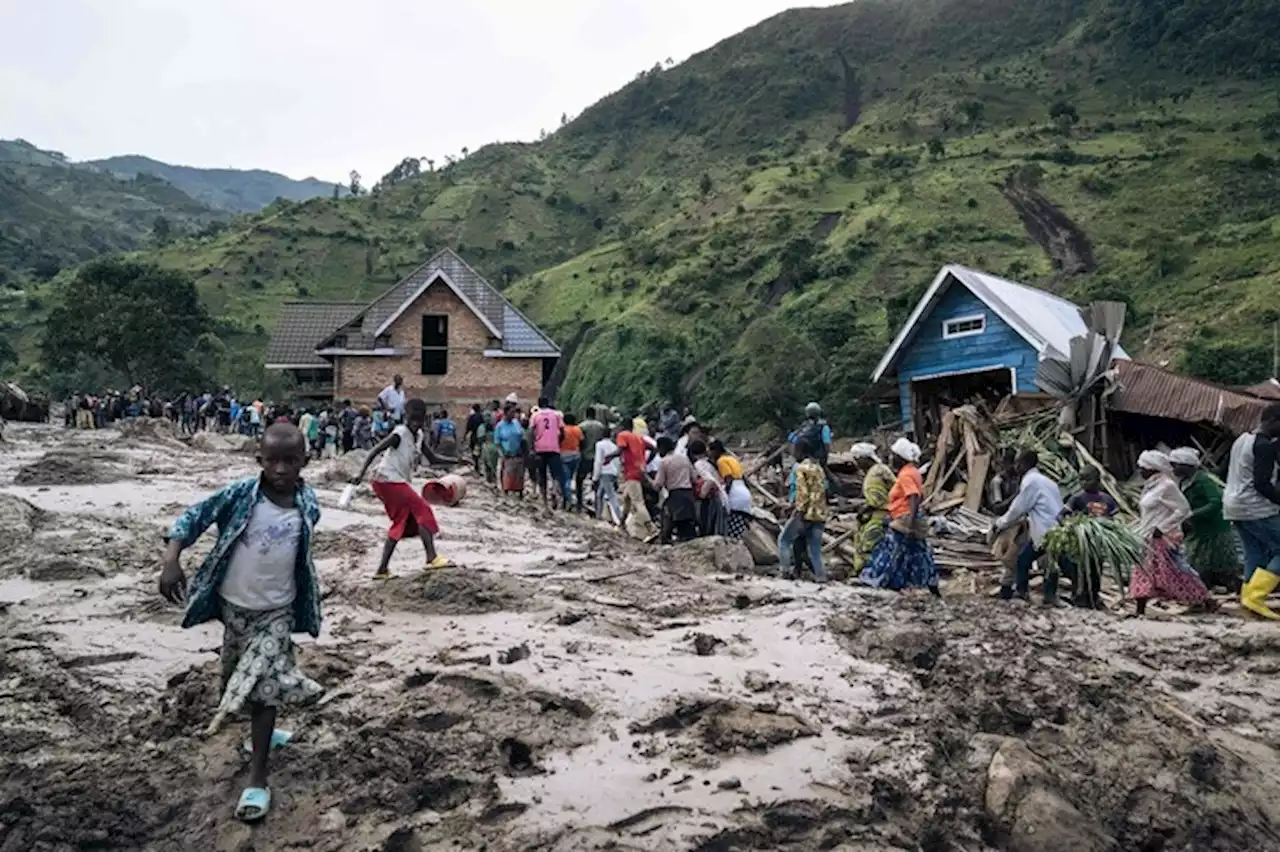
{"x": 865, "y": 450}
{"x": 1155, "y": 460}
{"x": 1185, "y": 456}
{"x": 906, "y": 450}
{"x": 513, "y": 398}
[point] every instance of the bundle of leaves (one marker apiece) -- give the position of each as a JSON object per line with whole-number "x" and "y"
{"x": 1095, "y": 545}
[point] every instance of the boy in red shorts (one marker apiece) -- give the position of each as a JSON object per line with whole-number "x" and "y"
{"x": 410, "y": 515}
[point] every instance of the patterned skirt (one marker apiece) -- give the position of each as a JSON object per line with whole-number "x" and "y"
{"x": 1165, "y": 573}
{"x": 737, "y": 524}
{"x": 867, "y": 537}
{"x": 512, "y": 475}
{"x": 258, "y": 664}
{"x": 900, "y": 562}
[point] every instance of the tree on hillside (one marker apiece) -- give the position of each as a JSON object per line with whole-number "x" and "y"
{"x": 355, "y": 182}
{"x": 139, "y": 319}
{"x": 973, "y": 112}
{"x": 704, "y": 183}
{"x": 161, "y": 230}
{"x": 465, "y": 151}
{"x": 1064, "y": 115}
{"x": 406, "y": 169}
{"x": 337, "y": 191}
{"x": 431, "y": 164}
{"x": 937, "y": 148}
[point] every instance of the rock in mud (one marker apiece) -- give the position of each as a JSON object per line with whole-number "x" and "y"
{"x": 1022, "y": 797}
{"x": 714, "y": 555}
{"x": 723, "y": 726}
{"x": 704, "y": 644}
{"x": 212, "y": 442}
{"x": 18, "y": 521}
{"x": 341, "y": 470}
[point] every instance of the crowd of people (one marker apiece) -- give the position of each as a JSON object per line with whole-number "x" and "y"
{"x": 670, "y": 482}
{"x": 1195, "y": 529}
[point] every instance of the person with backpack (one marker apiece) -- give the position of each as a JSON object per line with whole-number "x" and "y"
{"x": 815, "y": 432}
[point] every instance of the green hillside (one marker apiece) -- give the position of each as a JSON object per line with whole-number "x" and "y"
{"x": 236, "y": 190}
{"x": 741, "y": 231}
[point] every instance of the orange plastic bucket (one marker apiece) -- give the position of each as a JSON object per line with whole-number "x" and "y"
{"x": 445, "y": 491}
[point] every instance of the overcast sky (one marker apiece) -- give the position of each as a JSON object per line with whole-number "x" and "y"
{"x": 319, "y": 87}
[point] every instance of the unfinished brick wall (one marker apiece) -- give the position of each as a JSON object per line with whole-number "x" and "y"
{"x": 471, "y": 377}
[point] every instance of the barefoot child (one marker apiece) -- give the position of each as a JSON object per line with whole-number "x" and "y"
{"x": 259, "y": 581}
{"x": 409, "y": 513}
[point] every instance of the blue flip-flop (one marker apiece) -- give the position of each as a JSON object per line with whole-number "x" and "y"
{"x": 279, "y": 739}
{"x": 254, "y": 804}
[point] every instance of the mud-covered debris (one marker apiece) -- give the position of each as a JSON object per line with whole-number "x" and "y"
{"x": 449, "y": 591}
{"x": 704, "y": 644}
{"x": 73, "y": 467}
{"x": 712, "y": 554}
{"x": 352, "y": 541}
{"x": 730, "y": 783}
{"x": 514, "y": 654}
{"x": 721, "y": 725}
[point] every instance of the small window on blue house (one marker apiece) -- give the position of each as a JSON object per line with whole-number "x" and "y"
{"x": 964, "y": 326}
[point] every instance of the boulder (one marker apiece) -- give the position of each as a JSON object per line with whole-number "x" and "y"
{"x": 714, "y": 553}
{"x": 1023, "y": 798}
{"x": 762, "y": 546}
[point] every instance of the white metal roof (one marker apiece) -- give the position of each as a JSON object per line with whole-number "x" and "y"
{"x": 1044, "y": 320}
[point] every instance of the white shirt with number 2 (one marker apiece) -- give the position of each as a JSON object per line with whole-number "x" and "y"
{"x": 261, "y": 574}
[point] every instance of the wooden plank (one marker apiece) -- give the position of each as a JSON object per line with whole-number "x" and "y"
{"x": 759, "y": 464}
{"x": 977, "y": 481}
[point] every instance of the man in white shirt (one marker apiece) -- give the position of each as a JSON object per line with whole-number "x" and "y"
{"x": 1039, "y": 501}
{"x": 392, "y": 399}
{"x": 605, "y": 475}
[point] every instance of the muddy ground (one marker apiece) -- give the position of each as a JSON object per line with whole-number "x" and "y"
{"x": 565, "y": 689}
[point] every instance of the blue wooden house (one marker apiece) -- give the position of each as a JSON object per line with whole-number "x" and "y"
{"x": 974, "y": 334}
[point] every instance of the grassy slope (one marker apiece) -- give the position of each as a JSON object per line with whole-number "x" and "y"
{"x": 781, "y": 281}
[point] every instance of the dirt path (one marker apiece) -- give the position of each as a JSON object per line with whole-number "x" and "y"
{"x": 565, "y": 689}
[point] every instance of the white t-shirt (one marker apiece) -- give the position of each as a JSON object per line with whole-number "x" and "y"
{"x": 396, "y": 464}
{"x": 261, "y": 574}
{"x": 393, "y": 401}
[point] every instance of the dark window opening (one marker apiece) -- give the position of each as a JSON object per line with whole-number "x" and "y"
{"x": 435, "y": 345}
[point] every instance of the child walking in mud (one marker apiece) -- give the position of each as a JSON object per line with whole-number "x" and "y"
{"x": 260, "y": 582}
{"x": 409, "y": 513}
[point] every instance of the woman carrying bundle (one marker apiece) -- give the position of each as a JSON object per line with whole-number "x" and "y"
{"x": 902, "y": 559}
{"x": 1164, "y": 572}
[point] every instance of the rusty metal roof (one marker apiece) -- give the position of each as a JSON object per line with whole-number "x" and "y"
{"x": 1147, "y": 389}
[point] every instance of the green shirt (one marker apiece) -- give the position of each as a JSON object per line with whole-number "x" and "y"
{"x": 1205, "y": 497}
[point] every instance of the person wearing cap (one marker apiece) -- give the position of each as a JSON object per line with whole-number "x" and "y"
{"x": 1164, "y": 571}
{"x": 815, "y": 430}
{"x": 877, "y": 480}
{"x": 902, "y": 558}
{"x": 1211, "y": 545}
{"x": 1039, "y": 502}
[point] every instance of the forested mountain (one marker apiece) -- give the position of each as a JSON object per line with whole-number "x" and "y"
{"x": 236, "y": 190}
{"x": 743, "y": 230}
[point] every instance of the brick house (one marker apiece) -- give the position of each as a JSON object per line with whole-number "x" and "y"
{"x": 452, "y": 336}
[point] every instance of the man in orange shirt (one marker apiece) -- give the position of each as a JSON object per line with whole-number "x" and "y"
{"x": 570, "y": 457}
{"x": 634, "y": 453}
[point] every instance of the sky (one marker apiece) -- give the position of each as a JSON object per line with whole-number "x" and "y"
{"x": 321, "y": 87}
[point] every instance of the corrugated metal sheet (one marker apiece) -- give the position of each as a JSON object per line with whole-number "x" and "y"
{"x": 1147, "y": 389}
{"x": 1270, "y": 389}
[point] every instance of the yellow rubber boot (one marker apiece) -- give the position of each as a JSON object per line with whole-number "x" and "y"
{"x": 1253, "y": 596}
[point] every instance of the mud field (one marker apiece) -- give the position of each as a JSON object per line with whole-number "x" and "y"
{"x": 564, "y": 689}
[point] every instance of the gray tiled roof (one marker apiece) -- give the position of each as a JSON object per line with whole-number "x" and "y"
{"x": 519, "y": 335}
{"x": 300, "y": 328}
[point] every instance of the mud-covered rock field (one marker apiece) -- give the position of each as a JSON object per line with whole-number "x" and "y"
{"x": 565, "y": 689}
